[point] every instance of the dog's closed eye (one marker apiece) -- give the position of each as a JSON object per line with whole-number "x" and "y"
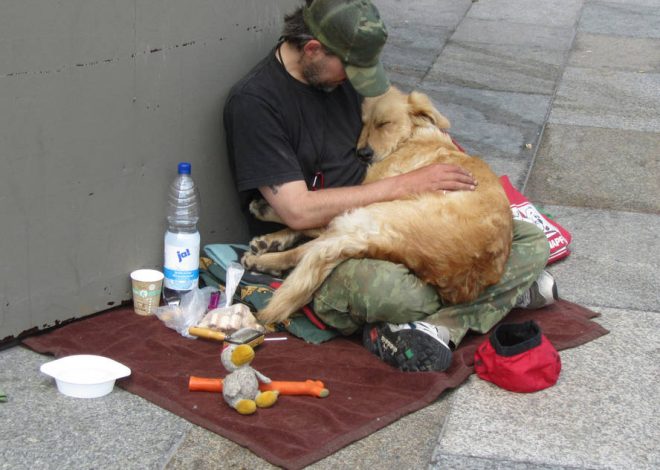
{"x": 382, "y": 124}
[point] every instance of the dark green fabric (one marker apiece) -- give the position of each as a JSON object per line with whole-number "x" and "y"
{"x": 300, "y": 326}
{"x": 256, "y": 296}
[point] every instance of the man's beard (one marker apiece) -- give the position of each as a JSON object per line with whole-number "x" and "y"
{"x": 311, "y": 73}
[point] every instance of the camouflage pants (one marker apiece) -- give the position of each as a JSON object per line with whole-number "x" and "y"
{"x": 368, "y": 290}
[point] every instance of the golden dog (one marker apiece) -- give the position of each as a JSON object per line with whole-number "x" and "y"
{"x": 458, "y": 241}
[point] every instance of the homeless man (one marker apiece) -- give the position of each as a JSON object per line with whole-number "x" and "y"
{"x": 292, "y": 125}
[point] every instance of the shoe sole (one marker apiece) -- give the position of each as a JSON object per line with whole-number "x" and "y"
{"x": 408, "y": 350}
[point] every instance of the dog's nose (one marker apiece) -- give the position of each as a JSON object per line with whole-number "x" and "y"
{"x": 366, "y": 154}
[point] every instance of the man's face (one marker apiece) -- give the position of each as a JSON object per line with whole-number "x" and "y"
{"x": 323, "y": 71}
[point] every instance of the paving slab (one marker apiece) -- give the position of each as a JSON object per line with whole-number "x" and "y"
{"x": 624, "y": 18}
{"x": 614, "y": 258}
{"x": 608, "y": 98}
{"x": 446, "y": 461}
{"x": 616, "y": 53}
{"x": 47, "y": 430}
{"x": 494, "y": 125}
{"x": 413, "y": 48}
{"x": 418, "y": 32}
{"x": 597, "y": 168}
{"x": 512, "y": 33}
{"x": 404, "y": 80}
{"x": 602, "y": 413}
{"x": 202, "y": 449}
{"x": 388, "y": 447}
{"x": 509, "y": 67}
{"x": 555, "y": 13}
{"x": 429, "y": 12}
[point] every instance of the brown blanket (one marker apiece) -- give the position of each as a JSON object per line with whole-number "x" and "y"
{"x": 365, "y": 394}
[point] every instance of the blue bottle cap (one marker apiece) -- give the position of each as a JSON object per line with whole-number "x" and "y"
{"x": 184, "y": 168}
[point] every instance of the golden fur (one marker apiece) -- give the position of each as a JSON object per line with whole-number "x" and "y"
{"x": 458, "y": 241}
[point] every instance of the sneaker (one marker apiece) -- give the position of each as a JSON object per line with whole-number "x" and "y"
{"x": 415, "y": 346}
{"x": 541, "y": 293}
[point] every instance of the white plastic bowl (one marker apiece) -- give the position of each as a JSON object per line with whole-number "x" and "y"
{"x": 85, "y": 375}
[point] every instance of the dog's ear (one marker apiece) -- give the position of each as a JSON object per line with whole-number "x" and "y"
{"x": 421, "y": 107}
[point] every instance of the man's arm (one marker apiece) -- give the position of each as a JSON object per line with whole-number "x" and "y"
{"x": 302, "y": 209}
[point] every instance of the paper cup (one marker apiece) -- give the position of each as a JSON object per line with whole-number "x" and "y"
{"x": 147, "y": 285}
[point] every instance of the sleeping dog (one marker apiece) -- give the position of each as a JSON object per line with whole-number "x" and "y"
{"x": 457, "y": 241}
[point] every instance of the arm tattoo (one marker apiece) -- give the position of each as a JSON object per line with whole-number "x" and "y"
{"x": 275, "y": 188}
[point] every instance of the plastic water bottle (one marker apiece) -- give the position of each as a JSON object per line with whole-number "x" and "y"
{"x": 181, "y": 266}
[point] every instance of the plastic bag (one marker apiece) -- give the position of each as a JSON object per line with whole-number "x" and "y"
{"x": 234, "y": 274}
{"x": 229, "y": 318}
{"x": 188, "y": 313}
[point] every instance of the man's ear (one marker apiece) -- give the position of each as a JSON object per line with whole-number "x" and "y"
{"x": 312, "y": 47}
{"x": 421, "y": 107}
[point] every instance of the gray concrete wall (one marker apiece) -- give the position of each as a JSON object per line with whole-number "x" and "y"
{"x": 99, "y": 100}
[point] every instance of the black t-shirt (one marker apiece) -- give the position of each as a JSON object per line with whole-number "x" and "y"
{"x": 280, "y": 130}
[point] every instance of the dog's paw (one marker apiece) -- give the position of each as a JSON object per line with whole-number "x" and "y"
{"x": 251, "y": 262}
{"x": 257, "y": 207}
{"x": 263, "y": 211}
{"x": 263, "y": 244}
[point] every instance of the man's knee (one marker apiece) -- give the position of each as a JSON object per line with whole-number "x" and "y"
{"x": 530, "y": 244}
{"x": 371, "y": 290}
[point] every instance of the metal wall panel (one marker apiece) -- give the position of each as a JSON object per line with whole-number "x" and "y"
{"x": 99, "y": 101}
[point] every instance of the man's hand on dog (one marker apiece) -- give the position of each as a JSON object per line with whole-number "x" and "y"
{"x": 439, "y": 177}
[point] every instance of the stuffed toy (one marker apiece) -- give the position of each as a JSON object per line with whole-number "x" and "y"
{"x": 241, "y": 386}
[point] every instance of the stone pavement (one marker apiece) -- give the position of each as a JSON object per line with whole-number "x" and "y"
{"x": 563, "y": 97}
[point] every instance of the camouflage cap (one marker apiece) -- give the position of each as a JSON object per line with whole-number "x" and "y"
{"x": 352, "y": 30}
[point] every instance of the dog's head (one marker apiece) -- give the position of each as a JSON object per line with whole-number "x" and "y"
{"x": 391, "y": 119}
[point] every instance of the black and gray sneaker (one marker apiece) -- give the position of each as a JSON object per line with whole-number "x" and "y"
{"x": 541, "y": 293}
{"x": 415, "y": 346}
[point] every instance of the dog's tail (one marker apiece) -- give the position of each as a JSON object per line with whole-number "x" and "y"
{"x": 318, "y": 261}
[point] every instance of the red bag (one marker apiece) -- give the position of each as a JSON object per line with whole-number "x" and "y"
{"x": 518, "y": 357}
{"x": 522, "y": 209}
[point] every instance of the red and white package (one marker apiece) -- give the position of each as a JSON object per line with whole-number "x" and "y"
{"x": 558, "y": 237}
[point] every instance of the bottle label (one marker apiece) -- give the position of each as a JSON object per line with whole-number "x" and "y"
{"x": 181, "y": 267}
{"x": 181, "y": 280}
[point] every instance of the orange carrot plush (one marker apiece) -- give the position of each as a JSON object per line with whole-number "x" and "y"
{"x": 313, "y": 388}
